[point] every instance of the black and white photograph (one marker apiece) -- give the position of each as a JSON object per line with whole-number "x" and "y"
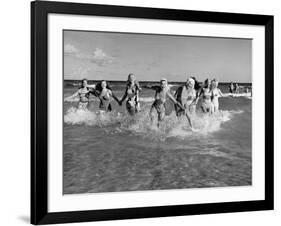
{"x": 129, "y": 113}
{"x": 155, "y": 112}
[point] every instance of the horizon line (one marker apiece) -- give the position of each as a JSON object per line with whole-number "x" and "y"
{"x": 94, "y": 80}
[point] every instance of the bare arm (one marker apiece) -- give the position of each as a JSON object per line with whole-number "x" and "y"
{"x": 177, "y": 92}
{"x": 94, "y": 92}
{"x": 138, "y": 86}
{"x": 220, "y": 93}
{"x": 72, "y": 96}
{"x": 124, "y": 96}
{"x": 198, "y": 96}
{"x": 174, "y": 100}
{"x": 115, "y": 98}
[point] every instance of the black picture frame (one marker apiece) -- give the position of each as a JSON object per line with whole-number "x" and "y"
{"x": 39, "y": 112}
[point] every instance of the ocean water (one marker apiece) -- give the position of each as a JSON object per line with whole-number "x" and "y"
{"x": 115, "y": 152}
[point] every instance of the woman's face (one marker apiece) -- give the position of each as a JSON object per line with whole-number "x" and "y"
{"x": 190, "y": 84}
{"x": 84, "y": 83}
{"x": 163, "y": 84}
{"x": 214, "y": 84}
{"x": 103, "y": 84}
{"x": 131, "y": 78}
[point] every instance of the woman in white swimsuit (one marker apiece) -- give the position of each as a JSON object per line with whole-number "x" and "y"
{"x": 206, "y": 94}
{"x": 132, "y": 95}
{"x": 216, "y": 93}
{"x": 83, "y": 93}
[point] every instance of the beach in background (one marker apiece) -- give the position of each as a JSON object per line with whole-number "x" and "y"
{"x": 115, "y": 152}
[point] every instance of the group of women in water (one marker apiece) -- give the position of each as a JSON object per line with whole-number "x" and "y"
{"x": 185, "y": 98}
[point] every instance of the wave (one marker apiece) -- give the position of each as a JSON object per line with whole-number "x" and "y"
{"x": 247, "y": 95}
{"x": 76, "y": 99}
{"x": 144, "y": 125}
{"x": 146, "y": 99}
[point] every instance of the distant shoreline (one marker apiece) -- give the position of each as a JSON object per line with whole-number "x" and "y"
{"x": 170, "y": 82}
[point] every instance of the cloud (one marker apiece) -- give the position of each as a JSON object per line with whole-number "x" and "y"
{"x": 98, "y": 56}
{"x": 70, "y": 49}
{"x": 101, "y": 58}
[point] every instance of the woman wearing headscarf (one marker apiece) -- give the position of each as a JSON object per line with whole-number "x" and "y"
{"x": 162, "y": 92}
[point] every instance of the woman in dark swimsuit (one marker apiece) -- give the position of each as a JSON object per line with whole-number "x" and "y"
{"x": 132, "y": 95}
{"x": 206, "y": 94}
{"x": 105, "y": 94}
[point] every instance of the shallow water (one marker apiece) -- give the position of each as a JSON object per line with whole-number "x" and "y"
{"x": 115, "y": 152}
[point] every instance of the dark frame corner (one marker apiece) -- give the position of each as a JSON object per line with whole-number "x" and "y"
{"x": 39, "y": 109}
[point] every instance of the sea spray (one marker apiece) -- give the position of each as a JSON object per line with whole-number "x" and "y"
{"x": 76, "y": 116}
{"x": 146, "y": 126}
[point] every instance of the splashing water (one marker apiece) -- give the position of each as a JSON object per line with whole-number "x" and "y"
{"x": 142, "y": 124}
{"x": 109, "y": 152}
{"x": 75, "y": 116}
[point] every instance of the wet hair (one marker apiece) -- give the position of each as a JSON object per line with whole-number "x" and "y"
{"x": 84, "y": 79}
{"x": 206, "y": 83}
{"x": 99, "y": 88}
{"x": 130, "y": 75}
{"x": 128, "y": 81}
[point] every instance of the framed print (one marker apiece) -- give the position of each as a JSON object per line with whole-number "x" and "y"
{"x": 145, "y": 112}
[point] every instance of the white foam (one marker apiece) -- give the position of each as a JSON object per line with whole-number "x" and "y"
{"x": 247, "y": 95}
{"x": 143, "y": 125}
{"x": 76, "y": 116}
{"x": 203, "y": 124}
{"x": 146, "y": 99}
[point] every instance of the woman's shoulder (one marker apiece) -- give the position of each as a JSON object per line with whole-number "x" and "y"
{"x": 109, "y": 91}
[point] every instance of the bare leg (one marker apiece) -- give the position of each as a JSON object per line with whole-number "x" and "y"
{"x": 161, "y": 116}
{"x": 187, "y": 114}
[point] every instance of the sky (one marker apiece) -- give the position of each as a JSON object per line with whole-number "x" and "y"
{"x": 112, "y": 56}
